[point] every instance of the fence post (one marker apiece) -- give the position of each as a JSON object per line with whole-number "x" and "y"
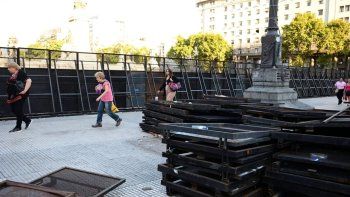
{"x": 103, "y": 62}
{"x": 18, "y": 56}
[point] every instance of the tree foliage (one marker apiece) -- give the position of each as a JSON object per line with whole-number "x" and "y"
{"x": 45, "y": 42}
{"x": 204, "y": 46}
{"x": 135, "y": 54}
{"x": 308, "y": 37}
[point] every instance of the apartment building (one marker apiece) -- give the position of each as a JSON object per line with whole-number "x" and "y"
{"x": 244, "y": 22}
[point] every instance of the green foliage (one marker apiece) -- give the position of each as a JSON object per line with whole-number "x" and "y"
{"x": 136, "y": 54}
{"x": 45, "y": 42}
{"x": 309, "y": 37}
{"x": 203, "y": 46}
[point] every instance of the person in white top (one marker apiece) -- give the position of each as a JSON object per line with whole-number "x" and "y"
{"x": 340, "y": 85}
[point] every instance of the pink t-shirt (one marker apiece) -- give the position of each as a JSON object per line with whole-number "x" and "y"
{"x": 340, "y": 85}
{"x": 109, "y": 95}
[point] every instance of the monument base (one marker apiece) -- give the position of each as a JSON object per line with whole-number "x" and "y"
{"x": 271, "y": 85}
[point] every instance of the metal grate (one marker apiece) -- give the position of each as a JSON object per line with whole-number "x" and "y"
{"x": 81, "y": 182}
{"x": 14, "y": 189}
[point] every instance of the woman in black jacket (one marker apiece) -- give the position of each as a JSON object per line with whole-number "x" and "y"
{"x": 18, "y": 86}
{"x": 170, "y": 85}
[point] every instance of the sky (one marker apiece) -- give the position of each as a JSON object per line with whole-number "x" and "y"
{"x": 156, "y": 19}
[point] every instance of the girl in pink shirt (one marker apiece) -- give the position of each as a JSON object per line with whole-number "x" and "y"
{"x": 105, "y": 100}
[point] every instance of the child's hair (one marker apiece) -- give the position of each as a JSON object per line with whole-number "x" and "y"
{"x": 100, "y": 75}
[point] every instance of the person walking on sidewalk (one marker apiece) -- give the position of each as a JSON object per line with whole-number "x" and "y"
{"x": 340, "y": 85}
{"x": 18, "y": 86}
{"x": 105, "y": 100}
{"x": 347, "y": 91}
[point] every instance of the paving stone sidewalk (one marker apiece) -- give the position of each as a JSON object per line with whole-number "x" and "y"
{"x": 53, "y": 143}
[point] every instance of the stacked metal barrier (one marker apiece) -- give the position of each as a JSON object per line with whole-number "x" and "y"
{"x": 215, "y": 159}
{"x": 316, "y": 160}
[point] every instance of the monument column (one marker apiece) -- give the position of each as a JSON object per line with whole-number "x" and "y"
{"x": 271, "y": 79}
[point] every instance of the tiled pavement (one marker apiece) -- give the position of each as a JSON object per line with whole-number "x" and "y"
{"x": 53, "y": 143}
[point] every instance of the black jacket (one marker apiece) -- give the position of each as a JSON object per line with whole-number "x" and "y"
{"x": 16, "y": 83}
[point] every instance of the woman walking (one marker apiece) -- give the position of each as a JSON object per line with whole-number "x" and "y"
{"x": 18, "y": 86}
{"x": 105, "y": 100}
{"x": 347, "y": 91}
{"x": 171, "y": 85}
{"x": 340, "y": 85}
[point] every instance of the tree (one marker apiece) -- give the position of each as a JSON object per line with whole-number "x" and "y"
{"x": 45, "y": 42}
{"x": 340, "y": 38}
{"x": 202, "y": 46}
{"x": 114, "y": 51}
{"x": 306, "y": 36}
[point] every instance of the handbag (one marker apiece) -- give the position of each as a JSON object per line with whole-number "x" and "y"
{"x": 175, "y": 86}
{"x": 114, "y": 108}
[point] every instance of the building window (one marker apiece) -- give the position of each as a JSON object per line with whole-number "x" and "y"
{"x": 320, "y": 12}
{"x": 266, "y": 20}
{"x": 240, "y": 23}
{"x": 347, "y": 8}
{"x": 248, "y": 40}
{"x": 249, "y": 22}
{"x": 240, "y": 32}
{"x": 212, "y": 10}
{"x": 233, "y": 24}
{"x": 320, "y": 2}
{"x": 341, "y": 8}
{"x": 232, "y": 33}
{"x": 241, "y": 5}
{"x": 257, "y": 21}
{"x": 257, "y": 1}
{"x": 286, "y": 7}
{"x": 249, "y": 13}
{"x": 297, "y": 4}
{"x": 225, "y": 17}
{"x": 212, "y": 27}
{"x": 257, "y": 31}
{"x": 347, "y": 19}
{"x": 241, "y": 14}
{"x": 257, "y": 11}
{"x": 309, "y": 3}
{"x": 233, "y": 15}
{"x": 212, "y": 19}
{"x": 226, "y": 9}
{"x": 225, "y": 33}
{"x": 248, "y": 31}
{"x": 225, "y": 25}
{"x": 249, "y": 3}
{"x": 286, "y": 17}
{"x": 233, "y": 7}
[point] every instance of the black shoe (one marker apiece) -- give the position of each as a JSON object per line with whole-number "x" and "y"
{"x": 96, "y": 125}
{"x": 28, "y": 124}
{"x": 118, "y": 122}
{"x": 15, "y": 130}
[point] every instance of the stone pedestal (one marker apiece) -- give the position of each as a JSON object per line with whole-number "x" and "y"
{"x": 271, "y": 85}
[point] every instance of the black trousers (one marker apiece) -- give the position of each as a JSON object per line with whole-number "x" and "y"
{"x": 340, "y": 95}
{"x": 17, "y": 109}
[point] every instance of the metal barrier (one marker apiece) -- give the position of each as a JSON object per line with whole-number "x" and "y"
{"x": 63, "y": 81}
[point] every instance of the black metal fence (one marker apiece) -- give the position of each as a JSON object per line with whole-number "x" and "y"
{"x": 63, "y": 81}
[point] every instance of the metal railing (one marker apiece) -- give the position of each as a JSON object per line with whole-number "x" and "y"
{"x": 63, "y": 81}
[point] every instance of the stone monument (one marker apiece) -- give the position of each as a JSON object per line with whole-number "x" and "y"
{"x": 271, "y": 79}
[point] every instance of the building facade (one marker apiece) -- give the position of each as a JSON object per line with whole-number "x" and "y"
{"x": 244, "y": 22}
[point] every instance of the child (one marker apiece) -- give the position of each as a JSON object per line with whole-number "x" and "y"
{"x": 105, "y": 100}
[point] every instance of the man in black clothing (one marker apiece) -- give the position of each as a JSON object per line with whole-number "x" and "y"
{"x": 18, "y": 86}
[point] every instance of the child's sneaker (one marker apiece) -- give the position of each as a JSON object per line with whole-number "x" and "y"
{"x": 118, "y": 122}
